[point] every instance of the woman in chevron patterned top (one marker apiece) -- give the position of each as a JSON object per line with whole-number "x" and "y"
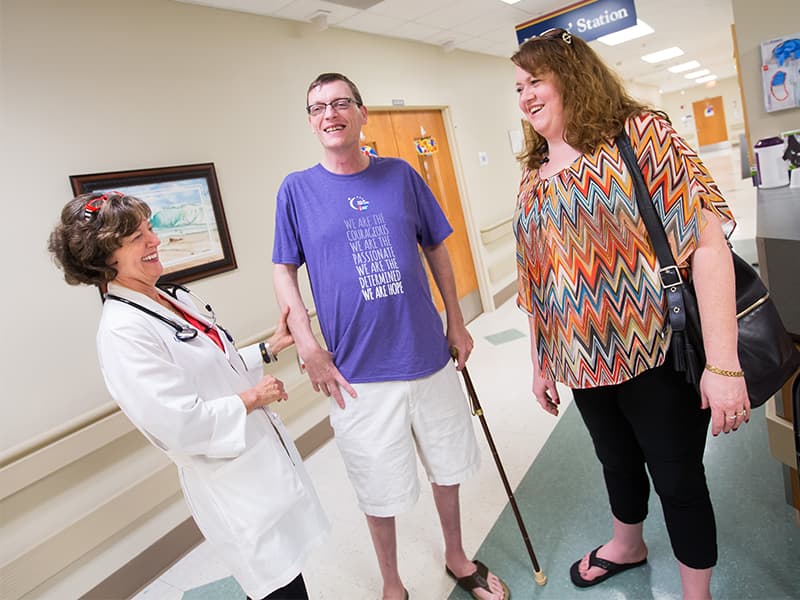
{"x": 589, "y": 280}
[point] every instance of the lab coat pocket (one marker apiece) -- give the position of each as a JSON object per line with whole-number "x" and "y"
{"x": 251, "y": 493}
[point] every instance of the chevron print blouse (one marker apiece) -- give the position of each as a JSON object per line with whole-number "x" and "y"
{"x": 587, "y": 273}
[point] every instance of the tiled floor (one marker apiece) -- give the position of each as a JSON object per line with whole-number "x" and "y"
{"x": 345, "y": 568}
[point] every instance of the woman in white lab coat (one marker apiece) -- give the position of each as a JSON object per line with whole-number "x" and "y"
{"x": 178, "y": 377}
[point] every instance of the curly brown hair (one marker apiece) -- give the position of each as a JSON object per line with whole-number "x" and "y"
{"x": 594, "y": 100}
{"x": 92, "y": 226}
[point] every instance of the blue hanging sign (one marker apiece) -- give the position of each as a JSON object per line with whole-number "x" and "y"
{"x": 589, "y": 19}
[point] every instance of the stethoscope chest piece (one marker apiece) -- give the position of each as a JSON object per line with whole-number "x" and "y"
{"x": 185, "y": 334}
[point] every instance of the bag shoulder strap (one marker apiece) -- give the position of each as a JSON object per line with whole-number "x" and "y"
{"x": 670, "y": 275}
{"x": 655, "y": 228}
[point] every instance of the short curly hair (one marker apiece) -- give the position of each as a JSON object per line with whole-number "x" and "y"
{"x": 84, "y": 239}
{"x": 595, "y": 101}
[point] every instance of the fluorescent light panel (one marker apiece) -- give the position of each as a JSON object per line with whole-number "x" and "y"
{"x": 631, "y": 33}
{"x": 697, "y": 74}
{"x": 692, "y": 64}
{"x": 662, "y": 55}
{"x": 705, "y": 79}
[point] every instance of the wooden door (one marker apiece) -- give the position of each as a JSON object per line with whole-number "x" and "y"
{"x": 393, "y": 133}
{"x": 709, "y": 119}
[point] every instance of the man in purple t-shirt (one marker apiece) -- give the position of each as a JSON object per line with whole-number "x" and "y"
{"x": 357, "y": 223}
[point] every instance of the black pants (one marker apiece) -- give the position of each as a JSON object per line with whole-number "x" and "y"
{"x": 655, "y": 419}
{"x": 296, "y": 590}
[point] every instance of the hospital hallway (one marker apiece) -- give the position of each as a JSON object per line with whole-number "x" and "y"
{"x": 558, "y": 486}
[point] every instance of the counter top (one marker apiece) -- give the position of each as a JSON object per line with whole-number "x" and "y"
{"x": 778, "y": 213}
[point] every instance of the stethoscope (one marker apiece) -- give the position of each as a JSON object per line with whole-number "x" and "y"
{"x": 183, "y": 332}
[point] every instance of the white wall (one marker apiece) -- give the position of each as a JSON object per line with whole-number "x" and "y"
{"x": 678, "y": 105}
{"x": 102, "y": 85}
{"x": 757, "y": 22}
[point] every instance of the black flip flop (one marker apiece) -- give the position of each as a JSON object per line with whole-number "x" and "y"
{"x": 610, "y": 567}
{"x": 477, "y": 580}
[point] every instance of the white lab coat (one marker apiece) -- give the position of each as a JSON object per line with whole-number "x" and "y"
{"x": 241, "y": 474}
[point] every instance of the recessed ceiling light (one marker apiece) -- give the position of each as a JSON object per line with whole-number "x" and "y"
{"x": 697, "y": 74}
{"x": 510, "y": 1}
{"x": 630, "y": 33}
{"x": 662, "y": 55}
{"x": 692, "y": 64}
{"x": 705, "y": 79}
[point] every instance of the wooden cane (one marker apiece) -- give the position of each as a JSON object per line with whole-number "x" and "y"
{"x": 538, "y": 575}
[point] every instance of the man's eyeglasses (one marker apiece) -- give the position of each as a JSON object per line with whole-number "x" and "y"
{"x": 338, "y": 105}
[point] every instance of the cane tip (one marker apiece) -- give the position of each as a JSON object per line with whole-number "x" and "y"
{"x": 540, "y": 577}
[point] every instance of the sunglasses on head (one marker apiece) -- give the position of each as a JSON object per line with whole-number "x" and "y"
{"x": 91, "y": 208}
{"x": 555, "y": 33}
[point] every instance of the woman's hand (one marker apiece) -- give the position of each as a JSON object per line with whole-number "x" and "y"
{"x": 282, "y": 338}
{"x": 544, "y": 390}
{"x": 728, "y": 399}
{"x": 267, "y": 390}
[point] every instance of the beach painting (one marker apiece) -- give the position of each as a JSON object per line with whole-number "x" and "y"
{"x": 187, "y": 216}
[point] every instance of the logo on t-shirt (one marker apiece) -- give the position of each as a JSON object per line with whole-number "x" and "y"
{"x": 358, "y": 203}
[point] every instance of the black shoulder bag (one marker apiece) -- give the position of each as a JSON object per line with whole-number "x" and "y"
{"x": 766, "y": 352}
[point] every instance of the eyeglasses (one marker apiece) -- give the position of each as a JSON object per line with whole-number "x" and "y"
{"x": 338, "y": 105}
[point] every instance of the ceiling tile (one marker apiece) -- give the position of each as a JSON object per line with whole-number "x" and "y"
{"x": 371, "y": 23}
{"x": 488, "y": 26}
{"x": 258, "y": 7}
{"x": 450, "y": 16}
{"x": 301, "y": 10}
{"x": 476, "y": 45}
{"x": 415, "y": 31}
{"x": 409, "y": 10}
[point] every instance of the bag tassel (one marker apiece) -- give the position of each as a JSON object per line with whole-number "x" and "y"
{"x": 678, "y": 350}
{"x": 694, "y": 366}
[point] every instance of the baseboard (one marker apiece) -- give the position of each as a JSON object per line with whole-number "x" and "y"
{"x": 151, "y": 563}
{"x": 504, "y": 294}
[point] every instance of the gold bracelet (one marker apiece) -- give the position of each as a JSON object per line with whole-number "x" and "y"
{"x": 724, "y": 372}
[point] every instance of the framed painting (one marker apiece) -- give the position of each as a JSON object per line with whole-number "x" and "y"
{"x": 188, "y": 216}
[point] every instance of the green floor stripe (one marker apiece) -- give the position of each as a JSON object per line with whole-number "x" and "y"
{"x": 563, "y": 502}
{"x": 222, "y": 589}
{"x": 505, "y": 336}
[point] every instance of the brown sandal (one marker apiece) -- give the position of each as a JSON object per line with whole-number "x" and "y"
{"x": 477, "y": 580}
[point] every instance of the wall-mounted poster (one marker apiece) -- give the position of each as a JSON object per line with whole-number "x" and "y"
{"x": 780, "y": 72}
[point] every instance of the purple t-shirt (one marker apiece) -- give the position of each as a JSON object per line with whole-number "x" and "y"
{"x": 358, "y": 236}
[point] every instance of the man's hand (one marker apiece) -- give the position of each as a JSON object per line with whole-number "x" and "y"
{"x": 325, "y": 377}
{"x": 460, "y": 339}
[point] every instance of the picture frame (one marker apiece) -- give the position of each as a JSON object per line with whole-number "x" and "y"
{"x": 188, "y": 215}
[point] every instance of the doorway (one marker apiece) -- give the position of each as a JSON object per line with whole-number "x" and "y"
{"x": 395, "y": 134}
{"x": 709, "y": 119}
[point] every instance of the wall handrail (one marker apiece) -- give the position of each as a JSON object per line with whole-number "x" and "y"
{"x": 497, "y": 231}
{"x": 34, "y": 458}
{"x": 489, "y": 229}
